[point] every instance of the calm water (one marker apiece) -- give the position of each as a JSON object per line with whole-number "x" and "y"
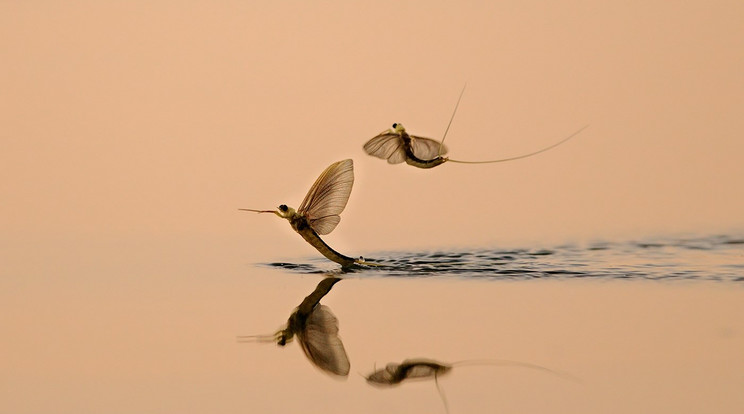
{"x": 714, "y": 258}
{"x": 121, "y": 328}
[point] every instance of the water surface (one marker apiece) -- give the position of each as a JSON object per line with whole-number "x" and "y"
{"x": 712, "y": 258}
{"x": 648, "y": 326}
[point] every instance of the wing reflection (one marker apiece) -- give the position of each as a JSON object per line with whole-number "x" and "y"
{"x": 394, "y": 374}
{"x": 422, "y": 368}
{"x": 411, "y": 369}
{"x": 317, "y": 332}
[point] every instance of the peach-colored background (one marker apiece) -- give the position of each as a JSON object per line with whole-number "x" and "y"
{"x": 130, "y": 133}
{"x": 141, "y": 119}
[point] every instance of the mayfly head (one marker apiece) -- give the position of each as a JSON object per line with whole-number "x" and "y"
{"x": 283, "y": 337}
{"x": 285, "y": 212}
{"x": 398, "y": 128}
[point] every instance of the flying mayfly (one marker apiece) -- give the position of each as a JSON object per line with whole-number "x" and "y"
{"x": 421, "y": 369}
{"x": 319, "y": 211}
{"x": 396, "y": 146}
{"x": 317, "y": 332}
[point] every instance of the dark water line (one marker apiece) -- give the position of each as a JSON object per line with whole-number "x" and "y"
{"x": 717, "y": 258}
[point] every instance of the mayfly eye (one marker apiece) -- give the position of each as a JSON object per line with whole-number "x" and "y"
{"x": 283, "y": 207}
{"x": 395, "y": 125}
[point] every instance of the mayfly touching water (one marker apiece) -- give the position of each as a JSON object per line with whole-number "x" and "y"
{"x": 317, "y": 331}
{"x": 319, "y": 211}
{"x": 396, "y": 146}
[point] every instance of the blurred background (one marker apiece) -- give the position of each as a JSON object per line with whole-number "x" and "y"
{"x": 132, "y": 131}
{"x": 142, "y": 119}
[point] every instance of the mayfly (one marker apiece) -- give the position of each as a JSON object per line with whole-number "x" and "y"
{"x": 316, "y": 329}
{"x": 396, "y": 146}
{"x": 421, "y": 369}
{"x": 319, "y": 211}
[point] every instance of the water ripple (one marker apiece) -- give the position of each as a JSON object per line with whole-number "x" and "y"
{"x": 715, "y": 258}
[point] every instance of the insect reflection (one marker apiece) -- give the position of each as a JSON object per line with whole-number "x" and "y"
{"x": 421, "y": 369}
{"x": 319, "y": 211}
{"x": 396, "y": 146}
{"x": 316, "y": 329}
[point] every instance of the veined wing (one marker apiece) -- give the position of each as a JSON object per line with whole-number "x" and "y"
{"x": 426, "y": 148}
{"x": 418, "y": 369}
{"x": 328, "y": 196}
{"x": 413, "y": 369}
{"x": 321, "y": 343}
{"x": 388, "y": 146}
{"x": 385, "y": 376}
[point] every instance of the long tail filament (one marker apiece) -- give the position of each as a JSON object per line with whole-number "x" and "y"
{"x": 525, "y": 155}
{"x": 441, "y": 143}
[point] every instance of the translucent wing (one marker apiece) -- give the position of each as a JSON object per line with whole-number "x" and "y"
{"x": 426, "y": 148}
{"x": 421, "y": 371}
{"x": 328, "y": 196}
{"x": 325, "y": 225}
{"x": 385, "y": 376}
{"x": 388, "y": 146}
{"x": 410, "y": 369}
{"x": 321, "y": 343}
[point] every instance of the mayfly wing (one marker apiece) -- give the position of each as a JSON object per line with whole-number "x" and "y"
{"x": 328, "y": 196}
{"x": 321, "y": 343}
{"x": 410, "y": 369}
{"x": 388, "y": 146}
{"x": 427, "y": 148}
{"x": 421, "y": 368}
{"x": 325, "y": 225}
{"x": 385, "y": 376}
